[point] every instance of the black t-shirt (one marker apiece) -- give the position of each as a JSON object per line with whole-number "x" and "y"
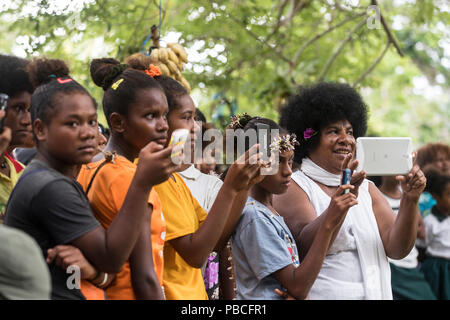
{"x": 54, "y": 210}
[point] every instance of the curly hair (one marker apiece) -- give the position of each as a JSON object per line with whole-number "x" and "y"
{"x": 13, "y": 77}
{"x": 430, "y": 152}
{"x": 318, "y": 106}
{"x": 50, "y": 78}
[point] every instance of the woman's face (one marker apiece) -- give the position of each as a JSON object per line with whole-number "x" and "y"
{"x": 70, "y": 137}
{"x": 442, "y": 162}
{"x": 18, "y": 119}
{"x": 146, "y": 120}
{"x": 336, "y": 141}
{"x": 183, "y": 117}
{"x": 278, "y": 183}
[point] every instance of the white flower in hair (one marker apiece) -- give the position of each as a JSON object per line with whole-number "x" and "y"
{"x": 284, "y": 143}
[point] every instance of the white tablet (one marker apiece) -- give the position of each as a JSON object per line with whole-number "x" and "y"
{"x": 384, "y": 156}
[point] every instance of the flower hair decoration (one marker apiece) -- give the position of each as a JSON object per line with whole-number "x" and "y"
{"x": 284, "y": 143}
{"x": 239, "y": 121}
{"x": 309, "y": 133}
{"x": 153, "y": 71}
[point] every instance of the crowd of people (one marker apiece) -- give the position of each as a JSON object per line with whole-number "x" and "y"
{"x": 102, "y": 212}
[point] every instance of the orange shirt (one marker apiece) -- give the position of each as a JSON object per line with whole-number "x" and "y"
{"x": 183, "y": 216}
{"x": 106, "y": 196}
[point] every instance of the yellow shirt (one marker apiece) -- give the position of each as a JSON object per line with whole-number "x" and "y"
{"x": 6, "y": 186}
{"x": 183, "y": 216}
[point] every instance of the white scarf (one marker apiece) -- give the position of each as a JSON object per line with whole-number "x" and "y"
{"x": 319, "y": 174}
{"x": 374, "y": 263}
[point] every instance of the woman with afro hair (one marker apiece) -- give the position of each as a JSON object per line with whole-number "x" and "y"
{"x": 328, "y": 118}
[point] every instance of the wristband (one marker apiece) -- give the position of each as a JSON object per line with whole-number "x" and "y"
{"x": 105, "y": 279}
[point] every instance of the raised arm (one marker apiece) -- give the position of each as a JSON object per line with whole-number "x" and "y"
{"x": 298, "y": 281}
{"x": 399, "y": 234}
{"x": 215, "y": 230}
{"x": 108, "y": 250}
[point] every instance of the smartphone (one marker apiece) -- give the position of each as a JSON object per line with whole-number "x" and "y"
{"x": 263, "y": 138}
{"x": 3, "y": 106}
{"x": 346, "y": 176}
{"x": 177, "y": 141}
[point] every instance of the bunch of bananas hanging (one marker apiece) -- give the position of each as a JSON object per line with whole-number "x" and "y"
{"x": 170, "y": 61}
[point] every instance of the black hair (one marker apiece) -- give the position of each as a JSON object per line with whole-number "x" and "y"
{"x": 377, "y": 180}
{"x": 247, "y": 122}
{"x": 173, "y": 90}
{"x": 50, "y": 78}
{"x": 13, "y": 76}
{"x": 104, "y": 131}
{"x": 318, "y": 106}
{"x": 436, "y": 180}
{"x": 120, "y": 83}
{"x": 199, "y": 116}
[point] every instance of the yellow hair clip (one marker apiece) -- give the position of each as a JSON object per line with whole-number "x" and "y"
{"x": 116, "y": 84}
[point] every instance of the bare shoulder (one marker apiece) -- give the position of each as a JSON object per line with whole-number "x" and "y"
{"x": 295, "y": 207}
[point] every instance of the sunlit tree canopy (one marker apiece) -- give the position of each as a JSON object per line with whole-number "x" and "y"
{"x": 252, "y": 55}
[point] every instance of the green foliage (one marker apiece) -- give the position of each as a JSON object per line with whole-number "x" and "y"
{"x": 270, "y": 48}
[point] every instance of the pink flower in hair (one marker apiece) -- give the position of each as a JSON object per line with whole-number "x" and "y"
{"x": 309, "y": 133}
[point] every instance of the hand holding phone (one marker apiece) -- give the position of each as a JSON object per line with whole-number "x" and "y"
{"x": 346, "y": 177}
{"x": 177, "y": 141}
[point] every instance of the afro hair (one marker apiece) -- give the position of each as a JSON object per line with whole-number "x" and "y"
{"x": 318, "y": 106}
{"x": 13, "y": 77}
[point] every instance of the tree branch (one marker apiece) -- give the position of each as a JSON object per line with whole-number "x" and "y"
{"x": 374, "y": 64}
{"x": 388, "y": 31}
{"x": 279, "y": 22}
{"x": 318, "y": 36}
{"x": 338, "y": 51}
{"x": 138, "y": 23}
{"x": 262, "y": 41}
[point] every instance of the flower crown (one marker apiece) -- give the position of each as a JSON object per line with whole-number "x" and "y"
{"x": 153, "y": 71}
{"x": 284, "y": 143}
{"x": 239, "y": 121}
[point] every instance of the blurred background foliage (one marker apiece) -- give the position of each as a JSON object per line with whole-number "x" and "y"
{"x": 250, "y": 56}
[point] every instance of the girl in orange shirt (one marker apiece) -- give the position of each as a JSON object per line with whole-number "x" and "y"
{"x": 135, "y": 107}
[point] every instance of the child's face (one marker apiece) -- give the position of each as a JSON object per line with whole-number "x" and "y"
{"x": 443, "y": 200}
{"x": 183, "y": 117}
{"x": 279, "y": 182}
{"x": 147, "y": 119}
{"x": 71, "y": 135}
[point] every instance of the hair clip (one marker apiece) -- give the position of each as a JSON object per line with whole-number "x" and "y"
{"x": 63, "y": 81}
{"x": 153, "y": 71}
{"x": 116, "y": 84}
{"x": 51, "y": 76}
{"x": 236, "y": 122}
{"x": 284, "y": 143}
{"x": 309, "y": 133}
